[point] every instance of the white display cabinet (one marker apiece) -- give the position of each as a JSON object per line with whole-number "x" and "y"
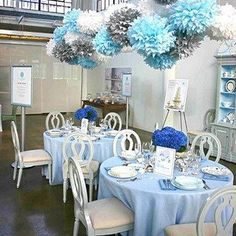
{"x": 224, "y": 126}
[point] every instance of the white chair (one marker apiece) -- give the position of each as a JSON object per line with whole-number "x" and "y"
{"x": 55, "y": 120}
{"x": 100, "y": 217}
{"x": 78, "y": 145}
{"x": 37, "y": 157}
{"x": 113, "y": 119}
{"x": 217, "y": 202}
{"x": 209, "y": 142}
{"x": 127, "y": 139}
{"x": 209, "y": 118}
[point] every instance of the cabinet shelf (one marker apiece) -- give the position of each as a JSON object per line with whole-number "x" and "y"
{"x": 229, "y": 108}
{"x": 118, "y": 80}
{"x": 231, "y": 93}
{"x": 228, "y": 77}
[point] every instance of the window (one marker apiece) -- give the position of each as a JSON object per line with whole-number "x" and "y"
{"x": 104, "y": 4}
{"x": 54, "y": 6}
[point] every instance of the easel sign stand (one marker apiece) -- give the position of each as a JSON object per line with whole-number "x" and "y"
{"x": 127, "y": 91}
{"x": 21, "y": 93}
{"x": 175, "y": 100}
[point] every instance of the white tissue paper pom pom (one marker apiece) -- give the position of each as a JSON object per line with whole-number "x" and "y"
{"x": 50, "y": 45}
{"x": 224, "y": 27}
{"x": 90, "y": 22}
{"x": 70, "y": 37}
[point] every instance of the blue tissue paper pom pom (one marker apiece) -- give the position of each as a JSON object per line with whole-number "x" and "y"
{"x": 70, "y": 20}
{"x": 104, "y": 44}
{"x": 59, "y": 33}
{"x": 193, "y": 16}
{"x": 151, "y": 35}
{"x": 162, "y": 61}
{"x": 85, "y": 62}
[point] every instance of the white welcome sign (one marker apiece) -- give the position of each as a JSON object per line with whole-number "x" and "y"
{"x": 21, "y": 85}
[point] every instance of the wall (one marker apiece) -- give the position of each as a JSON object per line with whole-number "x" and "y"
{"x": 56, "y": 85}
{"x": 147, "y": 84}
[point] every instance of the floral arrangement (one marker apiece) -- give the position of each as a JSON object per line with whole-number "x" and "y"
{"x": 87, "y": 112}
{"x": 162, "y": 31}
{"x": 170, "y": 138}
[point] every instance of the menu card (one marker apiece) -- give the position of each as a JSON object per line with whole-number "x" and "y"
{"x": 164, "y": 161}
{"x": 84, "y": 126}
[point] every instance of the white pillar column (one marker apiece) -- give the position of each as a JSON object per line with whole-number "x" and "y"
{"x": 169, "y": 74}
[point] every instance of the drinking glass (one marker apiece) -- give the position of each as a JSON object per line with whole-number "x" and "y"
{"x": 146, "y": 151}
{"x": 104, "y": 125}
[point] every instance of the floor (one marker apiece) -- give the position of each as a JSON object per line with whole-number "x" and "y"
{"x": 36, "y": 208}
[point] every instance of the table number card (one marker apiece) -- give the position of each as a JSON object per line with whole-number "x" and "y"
{"x": 84, "y": 126}
{"x": 164, "y": 161}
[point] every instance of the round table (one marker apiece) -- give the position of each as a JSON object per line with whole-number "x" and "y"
{"x": 53, "y": 145}
{"x": 154, "y": 208}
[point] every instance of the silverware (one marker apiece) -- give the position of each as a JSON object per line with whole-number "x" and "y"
{"x": 205, "y": 185}
{"x": 126, "y": 180}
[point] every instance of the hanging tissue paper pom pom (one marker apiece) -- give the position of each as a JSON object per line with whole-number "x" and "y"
{"x": 162, "y": 61}
{"x": 185, "y": 46}
{"x": 116, "y": 7}
{"x": 59, "y": 33}
{"x": 70, "y": 20}
{"x": 119, "y": 23}
{"x": 63, "y": 52}
{"x": 83, "y": 46}
{"x": 85, "y": 62}
{"x": 192, "y": 17}
{"x": 70, "y": 37}
{"x": 90, "y": 22}
{"x": 151, "y": 7}
{"x": 224, "y": 27}
{"x": 104, "y": 44}
{"x": 166, "y": 1}
{"x": 50, "y": 46}
{"x": 150, "y": 35}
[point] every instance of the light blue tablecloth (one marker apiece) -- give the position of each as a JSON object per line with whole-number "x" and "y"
{"x": 154, "y": 208}
{"x": 102, "y": 151}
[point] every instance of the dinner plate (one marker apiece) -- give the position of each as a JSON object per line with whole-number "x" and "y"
{"x": 86, "y": 139}
{"x": 136, "y": 166}
{"x": 187, "y": 182}
{"x": 230, "y": 86}
{"x": 214, "y": 170}
{"x": 122, "y": 172}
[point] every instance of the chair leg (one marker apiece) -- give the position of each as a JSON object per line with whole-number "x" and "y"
{"x": 90, "y": 190}
{"x": 15, "y": 170}
{"x": 19, "y": 177}
{"x": 65, "y": 187}
{"x": 50, "y": 173}
{"x": 76, "y": 227}
{"x": 96, "y": 183}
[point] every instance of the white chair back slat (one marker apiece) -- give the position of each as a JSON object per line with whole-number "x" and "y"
{"x": 113, "y": 119}
{"x": 54, "y": 120}
{"x": 78, "y": 185}
{"x": 207, "y": 140}
{"x": 221, "y": 201}
{"x": 127, "y": 139}
{"x": 16, "y": 142}
{"x": 78, "y": 145}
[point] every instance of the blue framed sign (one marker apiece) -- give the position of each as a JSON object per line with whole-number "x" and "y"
{"x": 21, "y": 85}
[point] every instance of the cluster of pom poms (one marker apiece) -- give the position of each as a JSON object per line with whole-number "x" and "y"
{"x": 162, "y": 31}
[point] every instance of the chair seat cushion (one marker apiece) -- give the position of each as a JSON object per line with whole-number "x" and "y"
{"x": 93, "y": 166}
{"x": 189, "y": 230}
{"x": 36, "y": 155}
{"x": 109, "y": 213}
